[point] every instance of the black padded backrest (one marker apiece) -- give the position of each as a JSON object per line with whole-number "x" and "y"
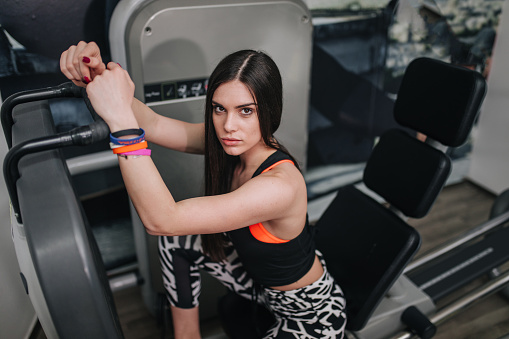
{"x": 406, "y": 172}
{"x": 439, "y": 100}
{"x": 366, "y": 247}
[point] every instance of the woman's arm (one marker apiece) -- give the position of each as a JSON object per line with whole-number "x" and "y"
{"x": 277, "y": 196}
{"x": 83, "y": 63}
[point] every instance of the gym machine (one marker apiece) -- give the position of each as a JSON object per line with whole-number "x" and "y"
{"x": 60, "y": 264}
{"x": 397, "y": 297}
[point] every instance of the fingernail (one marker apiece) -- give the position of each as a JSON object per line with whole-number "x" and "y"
{"x": 86, "y": 79}
{"x": 119, "y": 65}
{"x": 86, "y": 59}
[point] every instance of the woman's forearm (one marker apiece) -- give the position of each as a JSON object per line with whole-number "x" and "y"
{"x": 146, "y": 117}
{"x": 148, "y": 192}
{"x": 170, "y": 133}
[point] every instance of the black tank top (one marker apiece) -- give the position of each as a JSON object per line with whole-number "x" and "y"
{"x": 275, "y": 264}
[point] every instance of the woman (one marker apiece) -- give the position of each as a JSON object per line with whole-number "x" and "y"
{"x": 250, "y": 180}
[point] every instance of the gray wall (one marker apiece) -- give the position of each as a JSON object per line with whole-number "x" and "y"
{"x": 490, "y": 157}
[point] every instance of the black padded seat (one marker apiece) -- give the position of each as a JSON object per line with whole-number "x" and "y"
{"x": 365, "y": 247}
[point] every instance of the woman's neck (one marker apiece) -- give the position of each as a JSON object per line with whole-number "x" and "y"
{"x": 251, "y": 160}
{"x": 248, "y": 164}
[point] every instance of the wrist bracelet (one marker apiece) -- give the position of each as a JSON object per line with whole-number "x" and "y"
{"x": 112, "y": 145}
{"x": 144, "y": 151}
{"x": 135, "y": 154}
{"x": 115, "y": 137}
{"x": 129, "y": 148}
{"x": 124, "y": 132}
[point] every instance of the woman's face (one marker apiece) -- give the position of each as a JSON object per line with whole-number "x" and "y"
{"x": 235, "y": 118}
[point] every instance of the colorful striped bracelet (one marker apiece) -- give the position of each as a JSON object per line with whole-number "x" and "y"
{"x": 135, "y": 154}
{"x": 144, "y": 151}
{"x": 115, "y": 137}
{"x": 130, "y": 148}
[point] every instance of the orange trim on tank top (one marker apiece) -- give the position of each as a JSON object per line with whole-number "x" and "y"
{"x": 261, "y": 234}
{"x": 258, "y": 230}
{"x": 275, "y": 164}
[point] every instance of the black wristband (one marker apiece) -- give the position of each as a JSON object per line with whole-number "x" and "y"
{"x": 124, "y": 132}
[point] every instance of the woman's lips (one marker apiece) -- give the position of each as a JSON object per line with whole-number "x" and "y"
{"x": 230, "y": 141}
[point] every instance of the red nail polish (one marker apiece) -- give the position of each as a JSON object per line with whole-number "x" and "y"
{"x": 86, "y": 80}
{"x": 86, "y": 59}
{"x": 119, "y": 65}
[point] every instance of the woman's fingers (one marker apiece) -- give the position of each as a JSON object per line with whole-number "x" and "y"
{"x": 77, "y": 60}
{"x": 90, "y": 61}
{"x": 82, "y": 63}
{"x": 67, "y": 65}
{"x": 113, "y": 66}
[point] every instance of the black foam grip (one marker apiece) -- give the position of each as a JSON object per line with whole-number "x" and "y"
{"x": 418, "y": 322}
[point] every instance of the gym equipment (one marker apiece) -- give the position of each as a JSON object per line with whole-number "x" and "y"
{"x": 363, "y": 234}
{"x": 169, "y": 51}
{"x": 442, "y": 102}
{"x": 61, "y": 267}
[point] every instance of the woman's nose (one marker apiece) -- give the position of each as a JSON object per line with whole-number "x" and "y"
{"x": 230, "y": 123}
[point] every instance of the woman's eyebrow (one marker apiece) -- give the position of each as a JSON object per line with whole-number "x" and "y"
{"x": 246, "y": 105}
{"x": 239, "y": 106}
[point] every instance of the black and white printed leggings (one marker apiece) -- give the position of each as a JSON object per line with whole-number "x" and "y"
{"x": 313, "y": 311}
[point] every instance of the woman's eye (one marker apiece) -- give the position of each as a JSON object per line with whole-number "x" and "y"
{"x": 218, "y": 109}
{"x": 246, "y": 111}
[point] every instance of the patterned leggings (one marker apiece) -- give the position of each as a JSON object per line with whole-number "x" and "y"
{"x": 313, "y": 311}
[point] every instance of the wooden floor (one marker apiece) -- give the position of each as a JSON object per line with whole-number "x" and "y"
{"x": 458, "y": 208}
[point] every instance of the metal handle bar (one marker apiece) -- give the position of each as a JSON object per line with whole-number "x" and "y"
{"x": 84, "y": 135}
{"x": 67, "y": 89}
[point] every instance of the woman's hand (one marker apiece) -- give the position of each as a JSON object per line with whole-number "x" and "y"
{"x": 111, "y": 93}
{"x": 82, "y": 63}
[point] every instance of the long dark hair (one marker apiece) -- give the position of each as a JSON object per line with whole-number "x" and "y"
{"x": 261, "y": 76}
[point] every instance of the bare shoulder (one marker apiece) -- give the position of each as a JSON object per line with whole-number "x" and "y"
{"x": 285, "y": 191}
{"x": 284, "y": 180}
{"x": 286, "y": 171}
